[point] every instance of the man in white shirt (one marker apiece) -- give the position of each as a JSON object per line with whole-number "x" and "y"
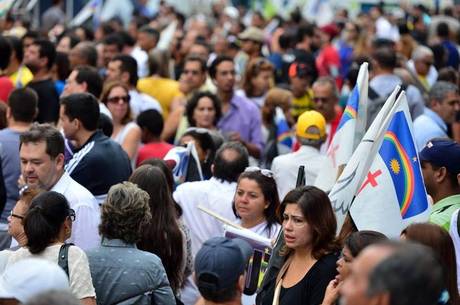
{"x": 41, "y": 155}
{"x": 215, "y": 194}
{"x": 310, "y": 133}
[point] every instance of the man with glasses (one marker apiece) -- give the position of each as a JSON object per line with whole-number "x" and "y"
{"x": 443, "y": 104}
{"x": 42, "y": 166}
{"x": 422, "y": 69}
{"x": 325, "y": 100}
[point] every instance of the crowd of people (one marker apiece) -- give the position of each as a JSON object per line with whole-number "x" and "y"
{"x": 95, "y": 123}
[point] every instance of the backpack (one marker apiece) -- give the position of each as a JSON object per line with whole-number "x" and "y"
{"x": 376, "y": 102}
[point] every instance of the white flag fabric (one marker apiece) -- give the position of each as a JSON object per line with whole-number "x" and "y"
{"x": 393, "y": 194}
{"x": 349, "y": 132}
{"x": 355, "y": 171}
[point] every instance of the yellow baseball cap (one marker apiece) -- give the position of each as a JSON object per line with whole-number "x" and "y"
{"x": 311, "y": 125}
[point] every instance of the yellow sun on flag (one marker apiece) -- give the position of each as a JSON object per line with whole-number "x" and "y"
{"x": 395, "y": 167}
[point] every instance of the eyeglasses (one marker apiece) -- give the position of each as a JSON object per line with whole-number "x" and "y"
{"x": 115, "y": 99}
{"x": 16, "y": 215}
{"x": 266, "y": 172}
{"x": 320, "y": 99}
{"x": 72, "y": 215}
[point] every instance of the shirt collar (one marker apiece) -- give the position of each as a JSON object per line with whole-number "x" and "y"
{"x": 446, "y": 202}
{"x": 106, "y": 242}
{"x": 436, "y": 118}
{"x": 62, "y": 184}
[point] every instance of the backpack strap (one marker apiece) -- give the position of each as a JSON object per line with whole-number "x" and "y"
{"x": 63, "y": 259}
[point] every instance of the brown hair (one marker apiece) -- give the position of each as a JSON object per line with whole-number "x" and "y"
{"x": 439, "y": 240}
{"x": 254, "y": 67}
{"x": 105, "y": 95}
{"x": 317, "y": 211}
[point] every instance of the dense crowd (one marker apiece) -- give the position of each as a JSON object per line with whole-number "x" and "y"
{"x": 116, "y": 138}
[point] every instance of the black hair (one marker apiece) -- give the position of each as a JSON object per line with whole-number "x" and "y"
{"x": 270, "y": 192}
{"x": 84, "y": 107}
{"x": 216, "y": 62}
{"x": 88, "y": 52}
{"x": 16, "y": 45}
{"x": 357, "y": 241}
{"x": 114, "y": 39}
{"x": 44, "y": 133}
{"x": 305, "y": 30}
{"x": 105, "y": 124}
{"x": 152, "y": 120}
{"x": 151, "y": 31}
{"x": 385, "y": 57}
{"x": 442, "y": 30}
{"x": 229, "y": 170}
{"x": 89, "y": 33}
{"x": 128, "y": 64}
{"x": 73, "y": 38}
{"x": 127, "y": 39}
{"x": 44, "y": 220}
{"x": 6, "y": 48}
{"x": 62, "y": 66}
{"x": 23, "y": 104}
{"x": 48, "y": 50}
{"x": 193, "y": 103}
{"x": 90, "y": 76}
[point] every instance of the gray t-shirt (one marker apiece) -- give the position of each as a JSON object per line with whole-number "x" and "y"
{"x": 9, "y": 141}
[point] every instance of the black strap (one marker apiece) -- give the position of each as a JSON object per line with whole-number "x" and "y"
{"x": 458, "y": 222}
{"x": 63, "y": 259}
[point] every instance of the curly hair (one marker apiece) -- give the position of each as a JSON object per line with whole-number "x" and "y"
{"x": 125, "y": 212}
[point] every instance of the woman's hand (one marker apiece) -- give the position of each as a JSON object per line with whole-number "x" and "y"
{"x": 332, "y": 292}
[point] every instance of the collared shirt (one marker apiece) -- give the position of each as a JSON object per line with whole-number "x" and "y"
{"x": 243, "y": 117}
{"x": 140, "y": 102}
{"x": 286, "y": 167}
{"x": 428, "y": 126}
{"x": 441, "y": 211}
{"x": 85, "y": 232}
{"x": 123, "y": 274}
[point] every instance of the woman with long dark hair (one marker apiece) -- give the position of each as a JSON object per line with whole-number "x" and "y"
{"x": 310, "y": 252}
{"x": 162, "y": 236}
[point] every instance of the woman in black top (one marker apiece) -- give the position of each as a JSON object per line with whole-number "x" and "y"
{"x": 309, "y": 226}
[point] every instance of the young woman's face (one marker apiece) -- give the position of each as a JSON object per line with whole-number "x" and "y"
{"x": 343, "y": 264}
{"x": 250, "y": 202}
{"x": 297, "y": 231}
{"x": 118, "y": 102}
{"x": 204, "y": 113}
{"x": 262, "y": 82}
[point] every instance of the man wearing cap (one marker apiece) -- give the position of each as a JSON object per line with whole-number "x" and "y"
{"x": 310, "y": 133}
{"x": 252, "y": 40}
{"x": 301, "y": 75}
{"x": 444, "y": 102}
{"x": 440, "y": 167}
{"x": 219, "y": 270}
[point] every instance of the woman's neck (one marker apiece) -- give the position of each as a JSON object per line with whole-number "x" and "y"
{"x": 250, "y": 223}
{"x": 303, "y": 254}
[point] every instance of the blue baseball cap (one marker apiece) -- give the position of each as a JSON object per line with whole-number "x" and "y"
{"x": 442, "y": 152}
{"x": 220, "y": 262}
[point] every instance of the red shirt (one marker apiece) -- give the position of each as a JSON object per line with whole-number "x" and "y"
{"x": 6, "y": 86}
{"x": 153, "y": 150}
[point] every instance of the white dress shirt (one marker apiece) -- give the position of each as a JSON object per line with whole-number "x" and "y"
{"x": 85, "y": 233}
{"x": 140, "y": 102}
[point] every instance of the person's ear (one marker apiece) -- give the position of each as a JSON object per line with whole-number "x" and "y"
{"x": 60, "y": 160}
{"x": 440, "y": 174}
{"x": 125, "y": 77}
{"x": 240, "y": 283}
{"x": 8, "y": 112}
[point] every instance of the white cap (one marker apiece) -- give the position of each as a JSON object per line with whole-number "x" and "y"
{"x": 31, "y": 276}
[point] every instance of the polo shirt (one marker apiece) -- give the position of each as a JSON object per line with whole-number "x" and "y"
{"x": 441, "y": 211}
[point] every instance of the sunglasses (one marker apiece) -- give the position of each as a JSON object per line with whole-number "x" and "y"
{"x": 266, "y": 172}
{"x": 115, "y": 99}
{"x": 72, "y": 215}
{"x": 16, "y": 215}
